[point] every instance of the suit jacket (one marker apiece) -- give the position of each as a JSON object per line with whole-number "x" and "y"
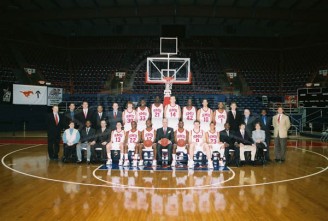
{"x": 247, "y": 140}
{"x": 68, "y": 118}
{"x": 91, "y": 136}
{"x": 225, "y": 138}
{"x": 53, "y": 130}
{"x": 234, "y": 122}
{"x": 112, "y": 121}
{"x": 259, "y": 135}
{"x": 250, "y": 126}
{"x": 266, "y": 127}
{"x": 282, "y": 127}
{"x": 102, "y": 136}
{"x": 169, "y": 134}
{"x": 96, "y": 120}
{"x": 82, "y": 119}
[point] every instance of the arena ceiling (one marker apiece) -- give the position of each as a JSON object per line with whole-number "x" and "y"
{"x": 219, "y": 17}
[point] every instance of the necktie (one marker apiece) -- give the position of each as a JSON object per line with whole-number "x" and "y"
{"x": 72, "y": 115}
{"x": 242, "y": 134}
{"x": 164, "y": 131}
{"x": 56, "y": 119}
{"x": 114, "y": 114}
{"x": 264, "y": 120}
{"x": 228, "y": 133}
{"x": 87, "y": 131}
{"x": 234, "y": 114}
{"x": 279, "y": 118}
{"x": 246, "y": 119}
{"x": 85, "y": 114}
{"x": 100, "y": 115}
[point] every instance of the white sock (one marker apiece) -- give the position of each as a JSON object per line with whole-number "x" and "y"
{"x": 121, "y": 156}
{"x": 173, "y": 156}
{"x": 136, "y": 156}
{"x": 126, "y": 156}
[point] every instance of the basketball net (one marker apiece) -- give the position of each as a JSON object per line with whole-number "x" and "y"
{"x": 168, "y": 88}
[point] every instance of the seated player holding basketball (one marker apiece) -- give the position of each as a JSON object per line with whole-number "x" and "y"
{"x": 213, "y": 140}
{"x": 164, "y": 140}
{"x": 116, "y": 143}
{"x": 131, "y": 143}
{"x": 181, "y": 137}
{"x": 71, "y": 137}
{"x": 148, "y": 136}
{"x": 198, "y": 143}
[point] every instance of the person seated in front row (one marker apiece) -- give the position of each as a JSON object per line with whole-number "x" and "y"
{"x": 164, "y": 132}
{"x": 227, "y": 137}
{"x": 213, "y": 140}
{"x": 116, "y": 143}
{"x": 258, "y": 137}
{"x": 88, "y": 139}
{"x": 131, "y": 143}
{"x": 102, "y": 139}
{"x": 180, "y": 134}
{"x": 71, "y": 137}
{"x": 198, "y": 143}
{"x": 148, "y": 134}
{"x": 244, "y": 143}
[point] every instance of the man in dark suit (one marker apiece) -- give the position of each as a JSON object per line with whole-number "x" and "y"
{"x": 266, "y": 122}
{"x": 114, "y": 116}
{"x": 249, "y": 121}
{"x": 227, "y": 137}
{"x": 71, "y": 115}
{"x": 84, "y": 115}
{"x": 102, "y": 139}
{"x": 53, "y": 130}
{"x": 164, "y": 132}
{"x": 234, "y": 118}
{"x": 244, "y": 143}
{"x": 88, "y": 139}
{"x": 98, "y": 117}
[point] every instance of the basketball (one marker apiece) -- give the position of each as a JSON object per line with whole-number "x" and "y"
{"x": 165, "y": 142}
{"x": 181, "y": 143}
{"x": 147, "y": 143}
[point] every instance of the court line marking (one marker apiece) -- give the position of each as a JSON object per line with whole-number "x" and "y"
{"x": 154, "y": 188}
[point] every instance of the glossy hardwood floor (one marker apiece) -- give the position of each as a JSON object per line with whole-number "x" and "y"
{"x": 34, "y": 188}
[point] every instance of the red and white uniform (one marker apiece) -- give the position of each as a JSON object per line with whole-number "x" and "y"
{"x": 149, "y": 135}
{"x": 157, "y": 116}
{"x": 181, "y": 136}
{"x": 214, "y": 142}
{"x": 198, "y": 139}
{"x": 117, "y": 138}
{"x": 133, "y": 137}
{"x": 188, "y": 117}
{"x": 220, "y": 120}
{"x": 172, "y": 115}
{"x": 205, "y": 119}
{"x": 142, "y": 117}
{"x": 128, "y": 118}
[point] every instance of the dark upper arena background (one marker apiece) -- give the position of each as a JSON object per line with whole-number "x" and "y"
{"x": 274, "y": 46}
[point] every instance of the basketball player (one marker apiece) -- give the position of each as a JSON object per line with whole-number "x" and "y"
{"x": 157, "y": 112}
{"x": 220, "y": 117}
{"x": 132, "y": 140}
{"x": 179, "y": 134}
{"x": 173, "y": 113}
{"x": 116, "y": 143}
{"x": 148, "y": 134}
{"x": 128, "y": 116}
{"x": 189, "y": 115}
{"x": 198, "y": 143}
{"x": 143, "y": 114}
{"x": 204, "y": 116}
{"x": 213, "y": 140}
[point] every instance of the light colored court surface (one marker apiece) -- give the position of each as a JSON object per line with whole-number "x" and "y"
{"x": 34, "y": 188}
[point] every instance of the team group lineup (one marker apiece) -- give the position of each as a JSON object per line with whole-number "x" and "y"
{"x": 167, "y": 129}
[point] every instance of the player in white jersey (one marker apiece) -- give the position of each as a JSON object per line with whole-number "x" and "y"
{"x": 220, "y": 117}
{"x": 128, "y": 116}
{"x": 204, "y": 116}
{"x": 157, "y": 113}
{"x": 148, "y": 134}
{"x": 213, "y": 140}
{"x": 143, "y": 114}
{"x": 132, "y": 140}
{"x": 189, "y": 115}
{"x": 116, "y": 143}
{"x": 198, "y": 143}
{"x": 180, "y": 134}
{"x": 172, "y": 113}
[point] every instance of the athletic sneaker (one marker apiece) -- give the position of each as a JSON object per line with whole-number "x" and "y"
{"x": 120, "y": 162}
{"x": 191, "y": 164}
{"x": 109, "y": 162}
{"x": 154, "y": 163}
{"x": 126, "y": 163}
{"x": 141, "y": 163}
{"x": 135, "y": 163}
{"x": 173, "y": 163}
{"x": 210, "y": 164}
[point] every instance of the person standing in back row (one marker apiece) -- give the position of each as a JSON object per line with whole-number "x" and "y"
{"x": 281, "y": 125}
{"x": 53, "y": 131}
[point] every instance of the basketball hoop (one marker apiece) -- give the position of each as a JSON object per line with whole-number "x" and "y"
{"x": 168, "y": 82}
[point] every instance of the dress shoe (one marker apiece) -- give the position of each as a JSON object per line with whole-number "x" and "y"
{"x": 88, "y": 162}
{"x": 79, "y": 162}
{"x": 277, "y": 160}
{"x": 253, "y": 163}
{"x": 242, "y": 163}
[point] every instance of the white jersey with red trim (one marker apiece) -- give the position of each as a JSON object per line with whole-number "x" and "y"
{"x": 197, "y": 137}
{"x": 205, "y": 119}
{"x": 128, "y": 118}
{"x": 188, "y": 117}
{"x": 214, "y": 142}
{"x": 172, "y": 115}
{"x": 181, "y": 135}
{"x": 220, "y": 120}
{"x": 142, "y": 117}
{"x": 157, "y": 115}
{"x": 117, "y": 138}
{"x": 133, "y": 137}
{"x": 149, "y": 135}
